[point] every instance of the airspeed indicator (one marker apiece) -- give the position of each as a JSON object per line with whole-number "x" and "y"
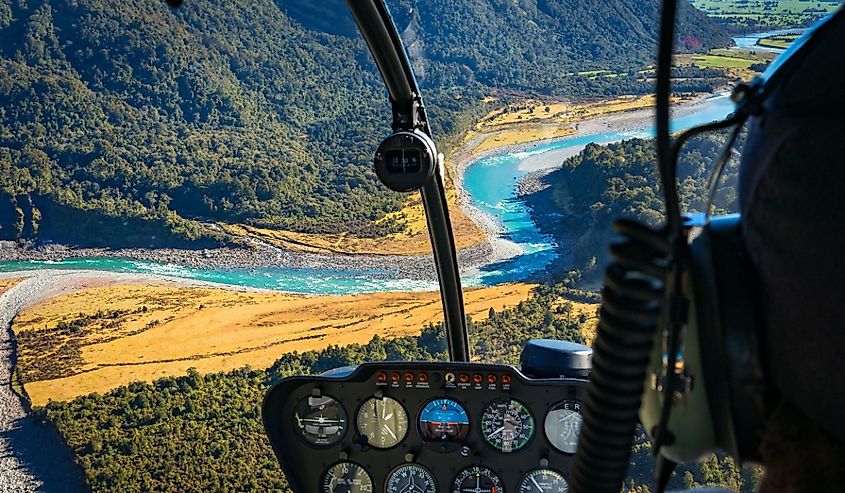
{"x": 507, "y": 425}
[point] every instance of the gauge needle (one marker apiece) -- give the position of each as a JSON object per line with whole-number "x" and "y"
{"x": 497, "y": 432}
{"x": 539, "y": 488}
{"x": 387, "y": 429}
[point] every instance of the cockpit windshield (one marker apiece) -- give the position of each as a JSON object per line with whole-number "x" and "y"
{"x": 190, "y": 213}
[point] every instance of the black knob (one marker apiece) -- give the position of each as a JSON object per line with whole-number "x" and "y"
{"x": 546, "y": 358}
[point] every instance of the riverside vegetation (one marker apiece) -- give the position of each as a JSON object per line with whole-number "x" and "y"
{"x": 580, "y": 200}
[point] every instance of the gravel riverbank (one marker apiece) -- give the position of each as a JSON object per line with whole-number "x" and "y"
{"x": 33, "y": 457}
{"x": 415, "y": 267}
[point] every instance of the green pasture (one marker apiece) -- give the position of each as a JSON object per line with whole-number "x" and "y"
{"x": 773, "y": 13}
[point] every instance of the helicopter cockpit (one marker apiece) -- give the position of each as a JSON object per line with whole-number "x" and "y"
{"x": 465, "y": 427}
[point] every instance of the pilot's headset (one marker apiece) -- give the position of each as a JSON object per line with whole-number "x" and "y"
{"x": 680, "y": 342}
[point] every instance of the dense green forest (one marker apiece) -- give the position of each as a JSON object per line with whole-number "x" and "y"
{"x": 204, "y": 432}
{"x": 123, "y": 123}
{"x": 603, "y": 182}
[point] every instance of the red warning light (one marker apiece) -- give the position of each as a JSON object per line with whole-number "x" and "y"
{"x": 422, "y": 377}
{"x": 464, "y": 378}
{"x": 506, "y": 379}
{"x": 381, "y": 376}
{"x": 476, "y": 379}
{"x": 394, "y": 376}
{"x": 491, "y": 379}
{"x": 409, "y": 377}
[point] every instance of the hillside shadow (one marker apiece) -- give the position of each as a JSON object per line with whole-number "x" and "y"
{"x": 39, "y": 447}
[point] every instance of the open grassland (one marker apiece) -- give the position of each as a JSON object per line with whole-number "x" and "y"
{"x": 532, "y": 120}
{"x": 767, "y": 13}
{"x": 781, "y": 42}
{"x": 560, "y": 113}
{"x": 738, "y": 64}
{"x": 524, "y": 134}
{"x": 101, "y": 338}
{"x": 7, "y": 284}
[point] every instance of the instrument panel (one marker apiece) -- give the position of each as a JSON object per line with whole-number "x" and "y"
{"x": 425, "y": 427}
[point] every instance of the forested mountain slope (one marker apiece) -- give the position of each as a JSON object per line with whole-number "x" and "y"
{"x": 605, "y": 182}
{"x": 123, "y": 123}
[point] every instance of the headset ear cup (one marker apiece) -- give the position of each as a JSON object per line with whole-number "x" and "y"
{"x": 727, "y": 293}
{"x": 706, "y": 300}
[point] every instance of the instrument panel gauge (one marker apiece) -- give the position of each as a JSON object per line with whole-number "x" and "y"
{"x": 444, "y": 420}
{"x": 346, "y": 477}
{"x": 320, "y": 421}
{"x": 383, "y": 421}
{"x": 477, "y": 479}
{"x": 410, "y": 478}
{"x": 507, "y": 425}
{"x": 563, "y": 425}
{"x": 543, "y": 481}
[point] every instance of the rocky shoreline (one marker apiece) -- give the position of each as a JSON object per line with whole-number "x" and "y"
{"x": 33, "y": 456}
{"x": 260, "y": 256}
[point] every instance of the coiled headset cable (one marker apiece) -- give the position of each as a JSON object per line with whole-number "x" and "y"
{"x": 643, "y": 285}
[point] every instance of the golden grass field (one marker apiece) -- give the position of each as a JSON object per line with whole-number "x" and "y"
{"x": 143, "y": 332}
{"x": 561, "y": 113}
{"x": 781, "y": 42}
{"x": 530, "y": 121}
{"x": 7, "y": 284}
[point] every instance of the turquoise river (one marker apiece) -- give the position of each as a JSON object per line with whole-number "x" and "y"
{"x": 491, "y": 184}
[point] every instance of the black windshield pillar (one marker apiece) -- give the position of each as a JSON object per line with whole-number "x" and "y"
{"x": 386, "y": 46}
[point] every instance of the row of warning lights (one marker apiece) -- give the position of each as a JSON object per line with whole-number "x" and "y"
{"x": 477, "y": 378}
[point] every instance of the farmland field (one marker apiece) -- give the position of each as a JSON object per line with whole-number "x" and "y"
{"x": 769, "y": 13}
{"x": 780, "y": 42}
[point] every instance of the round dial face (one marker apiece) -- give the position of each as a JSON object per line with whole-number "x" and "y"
{"x": 346, "y": 477}
{"x": 444, "y": 420}
{"x": 410, "y": 478}
{"x": 507, "y": 425}
{"x": 543, "y": 481}
{"x": 562, "y": 426}
{"x": 320, "y": 421}
{"x": 383, "y": 421}
{"x": 477, "y": 479}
